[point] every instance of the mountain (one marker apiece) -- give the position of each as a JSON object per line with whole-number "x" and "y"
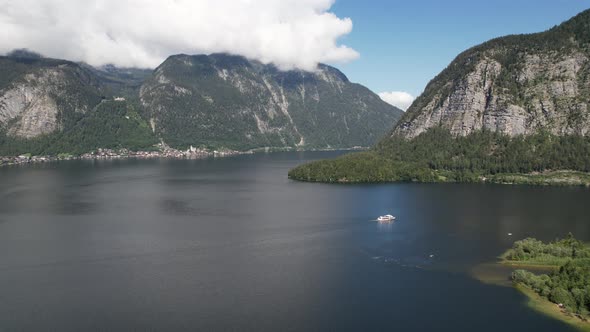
{"x": 120, "y": 82}
{"x": 39, "y": 96}
{"x": 520, "y": 84}
{"x": 50, "y": 106}
{"x": 228, "y": 101}
{"x": 512, "y": 110}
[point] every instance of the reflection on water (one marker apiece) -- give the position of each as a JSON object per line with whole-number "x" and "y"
{"x": 385, "y": 226}
{"x": 232, "y": 244}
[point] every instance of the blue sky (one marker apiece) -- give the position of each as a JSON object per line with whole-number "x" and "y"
{"x": 404, "y": 44}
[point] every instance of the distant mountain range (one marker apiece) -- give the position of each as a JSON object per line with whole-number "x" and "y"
{"x": 50, "y": 106}
{"x": 511, "y": 106}
{"x": 228, "y": 100}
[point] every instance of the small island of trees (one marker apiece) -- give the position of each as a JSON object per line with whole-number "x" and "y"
{"x": 567, "y": 286}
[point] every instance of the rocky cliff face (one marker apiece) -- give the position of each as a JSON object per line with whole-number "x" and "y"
{"x": 515, "y": 85}
{"x": 50, "y": 106}
{"x": 229, "y": 101}
{"x": 39, "y": 96}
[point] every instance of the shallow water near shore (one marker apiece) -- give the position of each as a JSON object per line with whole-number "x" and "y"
{"x": 232, "y": 244}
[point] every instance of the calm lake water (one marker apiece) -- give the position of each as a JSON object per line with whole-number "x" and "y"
{"x": 232, "y": 244}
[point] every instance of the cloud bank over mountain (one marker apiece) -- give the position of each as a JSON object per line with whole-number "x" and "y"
{"x": 142, "y": 33}
{"x": 399, "y": 99}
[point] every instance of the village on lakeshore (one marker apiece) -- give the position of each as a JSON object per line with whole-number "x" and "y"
{"x": 161, "y": 151}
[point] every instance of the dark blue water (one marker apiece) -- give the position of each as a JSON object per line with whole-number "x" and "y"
{"x": 232, "y": 244}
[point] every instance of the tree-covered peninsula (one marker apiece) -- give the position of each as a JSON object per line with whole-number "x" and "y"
{"x": 567, "y": 286}
{"x": 483, "y": 156}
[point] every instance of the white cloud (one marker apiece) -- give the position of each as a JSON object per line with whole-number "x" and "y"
{"x": 399, "y": 99}
{"x": 289, "y": 33}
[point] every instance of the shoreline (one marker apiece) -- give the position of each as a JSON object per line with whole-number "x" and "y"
{"x": 550, "y": 309}
{"x": 557, "y": 178}
{"x": 535, "y": 266}
{"x": 558, "y": 287}
{"x": 162, "y": 152}
{"x": 109, "y": 154}
{"x": 494, "y": 273}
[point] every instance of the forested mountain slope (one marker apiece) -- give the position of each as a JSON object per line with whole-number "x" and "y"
{"x": 229, "y": 101}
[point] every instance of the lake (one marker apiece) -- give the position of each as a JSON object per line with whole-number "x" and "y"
{"x": 232, "y": 244}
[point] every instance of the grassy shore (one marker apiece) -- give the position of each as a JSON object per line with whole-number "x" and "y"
{"x": 555, "y": 178}
{"x": 497, "y": 274}
{"x": 529, "y": 265}
{"x": 558, "y": 283}
{"x": 544, "y": 265}
{"x": 542, "y": 305}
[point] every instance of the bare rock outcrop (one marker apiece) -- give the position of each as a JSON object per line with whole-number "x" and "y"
{"x": 42, "y": 94}
{"x": 516, "y": 85}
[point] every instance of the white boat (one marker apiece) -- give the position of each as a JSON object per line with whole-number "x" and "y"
{"x": 387, "y": 217}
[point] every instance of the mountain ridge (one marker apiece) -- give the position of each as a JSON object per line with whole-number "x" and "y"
{"x": 45, "y": 101}
{"x": 511, "y": 84}
{"x": 513, "y": 110}
{"x": 296, "y": 109}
